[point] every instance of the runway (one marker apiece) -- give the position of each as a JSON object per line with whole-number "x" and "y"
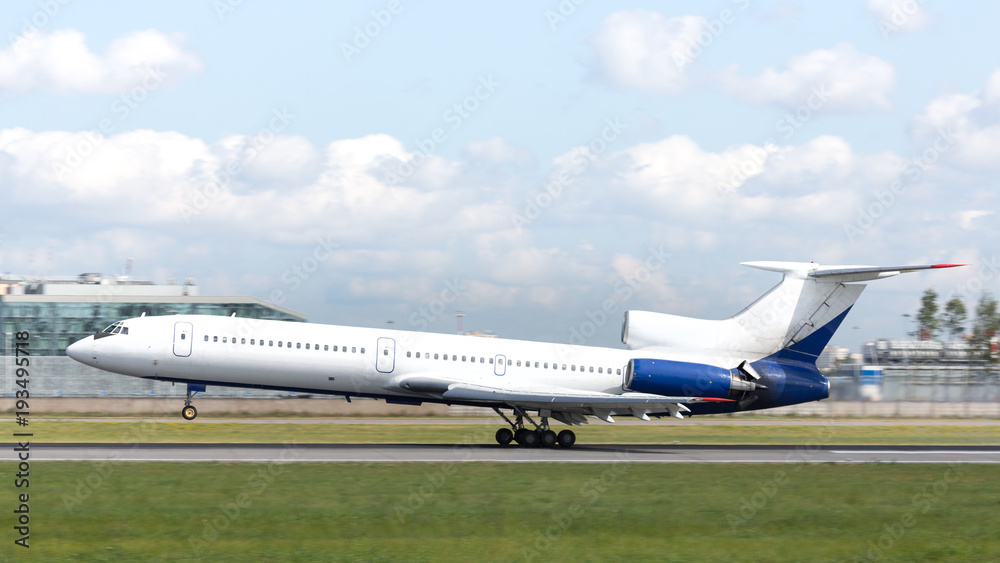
{"x": 581, "y": 453}
{"x": 492, "y": 421}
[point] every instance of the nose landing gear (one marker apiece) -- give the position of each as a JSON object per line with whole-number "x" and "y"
{"x": 189, "y": 412}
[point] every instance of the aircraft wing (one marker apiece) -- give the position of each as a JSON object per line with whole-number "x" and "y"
{"x": 561, "y": 401}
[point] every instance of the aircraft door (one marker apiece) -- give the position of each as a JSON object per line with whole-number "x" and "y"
{"x": 385, "y": 358}
{"x": 500, "y": 365}
{"x": 183, "y": 335}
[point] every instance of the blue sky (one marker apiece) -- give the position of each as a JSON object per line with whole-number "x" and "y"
{"x": 375, "y": 174}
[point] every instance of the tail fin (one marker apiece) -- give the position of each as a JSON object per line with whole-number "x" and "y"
{"x": 796, "y": 318}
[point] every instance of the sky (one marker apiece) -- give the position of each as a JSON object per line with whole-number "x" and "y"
{"x": 541, "y": 167}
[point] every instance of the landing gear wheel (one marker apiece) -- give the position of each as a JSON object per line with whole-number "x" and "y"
{"x": 189, "y": 412}
{"x": 566, "y": 438}
{"x": 504, "y": 436}
{"x": 548, "y": 438}
{"x": 519, "y": 435}
{"x": 529, "y": 439}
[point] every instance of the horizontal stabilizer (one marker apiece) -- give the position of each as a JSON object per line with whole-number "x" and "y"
{"x": 867, "y": 273}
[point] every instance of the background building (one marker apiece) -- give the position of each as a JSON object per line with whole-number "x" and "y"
{"x": 58, "y": 312}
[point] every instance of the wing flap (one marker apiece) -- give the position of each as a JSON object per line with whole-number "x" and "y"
{"x": 564, "y": 400}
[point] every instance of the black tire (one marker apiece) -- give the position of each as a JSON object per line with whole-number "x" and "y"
{"x": 529, "y": 439}
{"x": 504, "y": 436}
{"x": 189, "y": 412}
{"x": 566, "y": 438}
{"x": 519, "y": 435}
{"x": 548, "y": 439}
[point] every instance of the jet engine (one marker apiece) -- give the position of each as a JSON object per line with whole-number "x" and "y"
{"x": 685, "y": 379}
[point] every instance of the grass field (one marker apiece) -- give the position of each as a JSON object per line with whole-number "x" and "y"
{"x": 181, "y": 431}
{"x": 508, "y": 512}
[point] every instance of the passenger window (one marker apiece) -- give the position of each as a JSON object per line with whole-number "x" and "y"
{"x": 280, "y": 343}
{"x": 435, "y": 356}
{"x": 491, "y": 360}
{"x": 253, "y": 341}
{"x": 600, "y": 370}
{"x": 463, "y": 358}
{"x": 572, "y": 368}
{"x": 546, "y": 365}
{"x": 564, "y": 367}
{"x": 316, "y": 347}
{"x": 270, "y": 343}
{"x": 536, "y": 364}
{"x": 298, "y": 345}
{"x": 519, "y": 363}
{"x": 387, "y": 353}
{"x": 454, "y": 358}
{"x": 482, "y": 360}
{"x": 243, "y": 340}
{"x": 418, "y": 355}
{"x": 591, "y": 369}
{"x": 223, "y": 339}
{"x": 215, "y": 339}
{"x": 362, "y": 349}
{"x": 307, "y": 346}
{"x": 183, "y": 336}
{"x": 619, "y": 371}
{"x": 326, "y": 347}
{"x": 510, "y": 362}
{"x": 354, "y": 349}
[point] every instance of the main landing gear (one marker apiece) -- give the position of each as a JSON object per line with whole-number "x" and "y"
{"x": 540, "y": 436}
{"x": 189, "y": 412}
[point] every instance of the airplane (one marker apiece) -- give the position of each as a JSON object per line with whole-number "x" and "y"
{"x": 762, "y": 357}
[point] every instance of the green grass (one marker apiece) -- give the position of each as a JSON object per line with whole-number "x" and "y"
{"x": 500, "y": 512}
{"x": 735, "y": 433}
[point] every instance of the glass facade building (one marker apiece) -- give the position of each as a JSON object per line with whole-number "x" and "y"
{"x": 55, "y": 322}
{"x": 58, "y": 313}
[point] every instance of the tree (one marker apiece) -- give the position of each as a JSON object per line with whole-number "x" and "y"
{"x": 986, "y": 325}
{"x": 927, "y": 321}
{"x": 954, "y": 317}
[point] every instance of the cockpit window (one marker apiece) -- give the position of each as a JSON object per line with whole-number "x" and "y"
{"x": 116, "y": 328}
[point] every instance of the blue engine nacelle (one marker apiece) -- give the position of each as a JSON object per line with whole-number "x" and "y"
{"x": 684, "y": 379}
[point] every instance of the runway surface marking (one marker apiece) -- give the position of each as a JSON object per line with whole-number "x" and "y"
{"x": 433, "y": 453}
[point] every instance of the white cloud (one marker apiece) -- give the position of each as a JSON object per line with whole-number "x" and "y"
{"x": 963, "y": 128}
{"x": 646, "y": 50}
{"x": 966, "y": 219}
{"x": 61, "y": 62}
{"x": 840, "y": 78}
{"x": 895, "y": 15}
{"x": 497, "y": 150}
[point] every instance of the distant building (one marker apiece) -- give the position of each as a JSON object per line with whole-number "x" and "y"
{"x": 831, "y": 356}
{"x": 921, "y": 352}
{"x": 59, "y": 311}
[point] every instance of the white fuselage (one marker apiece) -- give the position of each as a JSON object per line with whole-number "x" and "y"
{"x": 340, "y": 360}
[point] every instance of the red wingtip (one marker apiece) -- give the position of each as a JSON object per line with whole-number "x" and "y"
{"x": 948, "y": 265}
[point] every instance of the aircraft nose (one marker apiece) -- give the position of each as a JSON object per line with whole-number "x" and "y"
{"x": 80, "y": 349}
